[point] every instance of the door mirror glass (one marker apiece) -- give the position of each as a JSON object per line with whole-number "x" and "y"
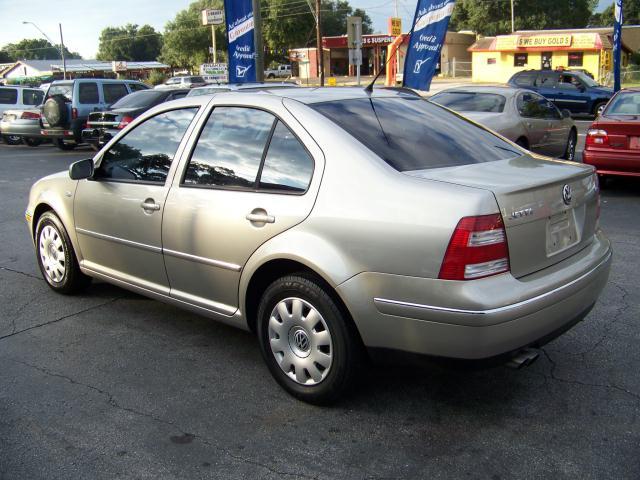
{"x": 81, "y": 169}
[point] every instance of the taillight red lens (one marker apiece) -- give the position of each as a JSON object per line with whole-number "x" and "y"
{"x": 30, "y": 116}
{"x": 74, "y": 113}
{"x": 124, "y": 122}
{"x": 597, "y": 138}
{"x": 478, "y": 248}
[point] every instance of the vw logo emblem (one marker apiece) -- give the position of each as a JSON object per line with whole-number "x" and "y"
{"x": 301, "y": 340}
{"x": 566, "y": 194}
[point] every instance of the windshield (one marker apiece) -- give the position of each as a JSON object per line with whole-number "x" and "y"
{"x": 624, "y": 104}
{"x": 586, "y": 79}
{"x": 141, "y": 99}
{"x": 471, "y": 101}
{"x": 64, "y": 89}
{"x": 410, "y": 133}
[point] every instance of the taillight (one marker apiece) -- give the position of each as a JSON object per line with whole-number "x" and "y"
{"x": 74, "y": 113}
{"x": 478, "y": 248}
{"x": 597, "y": 138}
{"x": 124, "y": 122}
{"x": 30, "y": 116}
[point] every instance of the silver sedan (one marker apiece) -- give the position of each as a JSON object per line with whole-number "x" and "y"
{"x": 336, "y": 225}
{"x": 522, "y": 116}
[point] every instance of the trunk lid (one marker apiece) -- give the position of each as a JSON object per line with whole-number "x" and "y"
{"x": 623, "y": 131}
{"x": 542, "y": 228}
{"x": 111, "y": 118}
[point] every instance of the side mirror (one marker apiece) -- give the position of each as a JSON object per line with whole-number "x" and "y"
{"x": 81, "y": 169}
{"x": 565, "y": 113}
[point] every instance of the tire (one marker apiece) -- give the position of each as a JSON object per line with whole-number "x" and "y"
{"x": 54, "y": 110}
{"x": 315, "y": 362}
{"x": 56, "y": 257}
{"x": 64, "y": 146}
{"x": 570, "y": 149}
{"x": 271, "y": 75}
{"x": 598, "y": 108}
{"x": 32, "y": 142}
{"x": 12, "y": 139}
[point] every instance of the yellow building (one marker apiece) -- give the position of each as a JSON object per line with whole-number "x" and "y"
{"x": 496, "y": 59}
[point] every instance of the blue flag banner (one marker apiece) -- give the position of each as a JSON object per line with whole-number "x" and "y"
{"x": 242, "y": 51}
{"x": 427, "y": 36}
{"x": 617, "y": 44}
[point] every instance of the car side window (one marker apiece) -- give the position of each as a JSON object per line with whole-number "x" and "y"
{"x": 532, "y": 106}
{"x": 525, "y": 79}
{"x": 32, "y": 97}
{"x": 230, "y": 148}
{"x": 287, "y": 166}
{"x": 8, "y": 96}
{"x": 547, "y": 80}
{"x": 569, "y": 82}
{"x": 114, "y": 92}
{"x": 88, "y": 93}
{"x": 145, "y": 153}
{"x": 136, "y": 87}
{"x": 551, "y": 111}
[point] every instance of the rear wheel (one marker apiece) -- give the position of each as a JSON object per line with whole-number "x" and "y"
{"x": 56, "y": 257}
{"x": 12, "y": 139}
{"x": 32, "y": 142}
{"x": 311, "y": 349}
{"x": 62, "y": 145}
{"x": 570, "y": 150}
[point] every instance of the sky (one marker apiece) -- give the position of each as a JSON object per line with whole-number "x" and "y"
{"x": 82, "y": 21}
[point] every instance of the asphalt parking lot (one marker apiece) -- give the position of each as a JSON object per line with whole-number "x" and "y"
{"x": 109, "y": 384}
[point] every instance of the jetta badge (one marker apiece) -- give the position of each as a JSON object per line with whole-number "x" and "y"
{"x": 566, "y": 194}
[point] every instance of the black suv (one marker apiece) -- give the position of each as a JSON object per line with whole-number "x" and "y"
{"x": 573, "y": 90}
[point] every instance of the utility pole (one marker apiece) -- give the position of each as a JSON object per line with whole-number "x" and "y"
{"x": 257, "y": 40}
{"x": 513, "y": 23}
{"x": 319, "y": 51}
{"x": 64, "y": 63}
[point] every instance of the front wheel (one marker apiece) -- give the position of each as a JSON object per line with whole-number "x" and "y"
{"x": 62, "y": 145}
{"x": 311, "y": 349}
{"x": 12, "y": 139}
{"x": 599, "y": 108}
{"x": 570, "y": 149}
{"x": 56, "y": 258}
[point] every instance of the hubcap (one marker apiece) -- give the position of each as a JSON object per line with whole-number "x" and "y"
{"x": 300, "y": 341}
{"x": 52, "y": 254}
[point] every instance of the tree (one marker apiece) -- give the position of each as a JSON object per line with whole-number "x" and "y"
{"x": 129, "y": 43}
{"x": 493, "y": 17}
{"x": 630, "y": 14}
{"x": 36, "y": 49}
{"x": 186, "y": 41}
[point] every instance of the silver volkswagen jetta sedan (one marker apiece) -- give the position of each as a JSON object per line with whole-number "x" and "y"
{"x": 334, "y": 224}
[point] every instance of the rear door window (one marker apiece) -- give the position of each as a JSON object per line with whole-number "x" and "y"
{"x": 547, "y": 80}
{"x": 32, "y": 97}
{"x": 114, "y": 92}
{"x": 8, "y": 96}
{"x": 410, "y": 133}
{"x": 88, "y": 93}
{"x": 136, "y": 87}
{"x": 525, "y": 79}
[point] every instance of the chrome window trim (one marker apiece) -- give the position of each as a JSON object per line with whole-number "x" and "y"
{"x": 497, "y": 309}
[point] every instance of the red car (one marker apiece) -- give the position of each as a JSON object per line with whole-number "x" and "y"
{"x": 613, "y": 141}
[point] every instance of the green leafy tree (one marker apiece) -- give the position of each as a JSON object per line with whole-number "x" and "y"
{"x": 130, "y": 42}
{"x": 493, "y": 17}
{"x": 630, "y": 12}
{"x": 36, "y": 49}
{"x": 5, "y": 57}
{"x": 187, "y": 41}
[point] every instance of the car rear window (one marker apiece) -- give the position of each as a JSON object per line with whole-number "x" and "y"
{"x": 141, "y": 99}
{"x": 410, "y": 133}
{"x": 8, "y": 96}
{"x": 64, "y": 89}
{"x": 471, "y": 101}
{"x": 32, "y": 97}
{"x": 624, "y": 104}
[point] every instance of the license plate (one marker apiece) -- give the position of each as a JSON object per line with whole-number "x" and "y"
{"x": 634, "y": 143}
{"x": 561, "y": 232}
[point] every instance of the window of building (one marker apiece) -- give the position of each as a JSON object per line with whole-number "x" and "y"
{"x": 520, "y": 59}
{"x": 575, "y": 59}
{"x": 146, "y": 152}
{"x": 491, "y": 61}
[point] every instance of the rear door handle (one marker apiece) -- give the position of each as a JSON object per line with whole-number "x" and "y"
{"x": 150, "y": 205}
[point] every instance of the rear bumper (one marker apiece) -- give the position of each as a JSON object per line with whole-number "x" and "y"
{"x": 478, "y": 319}
{"x": 57, "y": 133}
{"x": 608, "y": 162}
{"x": 24, "y": 128}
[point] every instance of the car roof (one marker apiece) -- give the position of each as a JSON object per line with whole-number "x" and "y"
{"x": 311, "y": 95}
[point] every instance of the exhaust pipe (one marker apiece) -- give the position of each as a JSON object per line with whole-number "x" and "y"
{"x": 523, "y": 358}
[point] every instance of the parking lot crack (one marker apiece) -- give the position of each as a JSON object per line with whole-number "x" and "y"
{"x": 7, "y": 269}
{"x": 59, "y": 319}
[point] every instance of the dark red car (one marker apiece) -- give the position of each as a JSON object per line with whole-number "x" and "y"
{"x": 613, "y": 141}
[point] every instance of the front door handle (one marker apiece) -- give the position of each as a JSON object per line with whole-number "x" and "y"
{"x": 258, "y": 215}
{"x": 149, "y": 205}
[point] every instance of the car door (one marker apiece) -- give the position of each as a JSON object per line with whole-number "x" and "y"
{"x": 118, "y": 212}
{"x": 251, "y": 175}
{"x": 570, "y": 94}
{"x": 558, "y": 130}
{"x": 532, "y": 109}
{"x": 546, "y": 84}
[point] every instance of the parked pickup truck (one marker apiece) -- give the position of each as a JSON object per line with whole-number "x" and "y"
{"x": 281, "y": 71}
